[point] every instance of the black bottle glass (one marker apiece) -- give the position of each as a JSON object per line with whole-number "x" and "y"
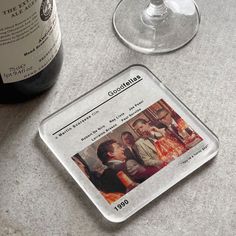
{"x": 31, "y": 53}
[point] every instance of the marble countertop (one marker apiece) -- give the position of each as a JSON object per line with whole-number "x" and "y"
{"x": 38, "y": 197}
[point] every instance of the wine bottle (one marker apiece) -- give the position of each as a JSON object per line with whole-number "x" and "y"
{"x": 30, "y": 48}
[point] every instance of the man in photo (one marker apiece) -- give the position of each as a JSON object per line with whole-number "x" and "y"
{"x": 146, "y": 143}
{"x": 165, "y": 118}
{"x": 178, "y": 128}
{"x": 131, "y": 151}
{"x": 112, "y": 155}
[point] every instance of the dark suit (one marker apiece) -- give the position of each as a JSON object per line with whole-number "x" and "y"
{"x": 108, "y": 182}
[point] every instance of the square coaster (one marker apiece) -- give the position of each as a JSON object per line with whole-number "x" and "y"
{"x": 127, "y": 141}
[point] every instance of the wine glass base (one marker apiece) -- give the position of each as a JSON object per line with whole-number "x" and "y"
{"x": 157, "y": 34}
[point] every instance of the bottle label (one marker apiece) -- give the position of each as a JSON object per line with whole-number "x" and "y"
{"x": 30, "y": 37}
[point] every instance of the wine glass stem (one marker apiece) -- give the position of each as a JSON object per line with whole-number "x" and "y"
{"x": 156, "y": 8}
{"x": 156, "y": 2}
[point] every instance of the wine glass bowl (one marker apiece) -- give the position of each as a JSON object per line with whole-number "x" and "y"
{"x": 156, "y": 26}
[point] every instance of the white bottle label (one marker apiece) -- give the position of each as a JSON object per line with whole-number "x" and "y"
{"x": 30, "y": 37}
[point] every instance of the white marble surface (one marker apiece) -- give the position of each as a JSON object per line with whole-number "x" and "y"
{"x": 38, "y": 197}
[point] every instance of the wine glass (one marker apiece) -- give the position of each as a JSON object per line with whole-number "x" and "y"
{"x": 156, "y": 26}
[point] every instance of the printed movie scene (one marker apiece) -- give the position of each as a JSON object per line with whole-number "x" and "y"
{"x": 136, "y": 150}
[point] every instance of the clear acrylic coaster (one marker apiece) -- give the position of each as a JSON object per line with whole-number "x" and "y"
{"x": 127, "y": 141}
